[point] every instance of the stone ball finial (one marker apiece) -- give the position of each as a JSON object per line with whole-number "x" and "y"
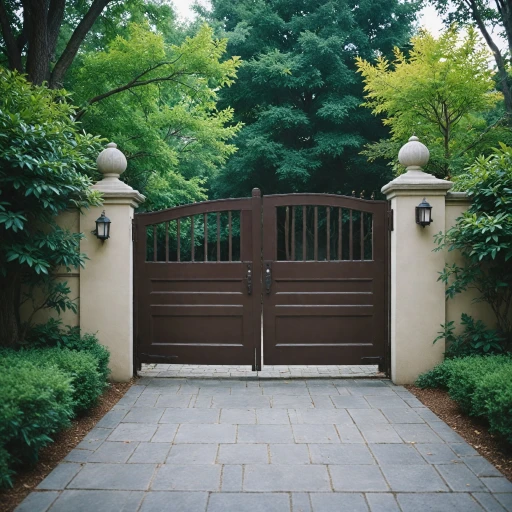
{"x": 414, "y": 154}
{"x": 111, "y": 162}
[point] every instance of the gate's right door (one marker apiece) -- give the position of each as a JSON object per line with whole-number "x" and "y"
{"x": 325, "y": 280}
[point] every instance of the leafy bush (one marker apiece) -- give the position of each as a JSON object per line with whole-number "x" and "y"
{"x": 51, "y": 334}
{"x": 481, "y": 385}
{"x": 483, "y": 236}
{"x": 476, "y": 339}
{"x": 37, "y": 401}
{"x": 81, "y": 367}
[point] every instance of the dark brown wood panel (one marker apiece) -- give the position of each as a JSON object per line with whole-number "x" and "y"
{"x": 201, "y": 311}
{"x": 333, "y": 311}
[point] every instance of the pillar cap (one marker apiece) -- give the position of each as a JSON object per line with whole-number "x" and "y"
{"x": 112, "y": 163}
{"x": 414, "y": 154}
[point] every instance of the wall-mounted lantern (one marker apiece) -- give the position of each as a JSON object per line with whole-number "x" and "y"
{"x": 102, "y": 230}
{"x": 423, "y": 213}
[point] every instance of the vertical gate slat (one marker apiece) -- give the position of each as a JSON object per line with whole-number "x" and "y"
{"x": 155, "y": 256}
{"x": 339, "y": 233}
{"x": 293, "y": 233}
{"x": 218, "y": 236}
{"x": 304, "y": 241}
{"x": 167, "y": 242}
{"x": 316, "y": 234}
{"x": 205, "y": 222}
{"x": 230, "y": 239}
{"x": 192, "y": 249}
{"x": 287, "y": 234}
{"x": 178, "y": 236}
{"x": 362, "y": 236}
{"x": 350, "y": 239}
{"x": 328, "y": 229}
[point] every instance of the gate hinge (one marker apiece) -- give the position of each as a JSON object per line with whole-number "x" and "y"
{"x": 390, "y": 220}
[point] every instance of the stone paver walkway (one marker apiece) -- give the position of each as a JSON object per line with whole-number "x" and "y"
{"x": 203, "y": 371}
{"x": 243, "y": 445}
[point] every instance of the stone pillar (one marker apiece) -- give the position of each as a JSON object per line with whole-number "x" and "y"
{"x": 106, "y": 282}
{"x": 417, "y": 298}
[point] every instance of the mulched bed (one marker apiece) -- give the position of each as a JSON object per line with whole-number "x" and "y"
{"x": 26, "y": 480}
{"x": 474, "y": 430}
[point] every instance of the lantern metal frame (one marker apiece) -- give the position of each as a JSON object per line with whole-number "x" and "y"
{"x": 102, "y": 219}
{"x": 421, "y": 213}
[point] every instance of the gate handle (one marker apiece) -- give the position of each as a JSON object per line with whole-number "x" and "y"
{"x": 268, "y": 278}
{"x": 249, "y": 279}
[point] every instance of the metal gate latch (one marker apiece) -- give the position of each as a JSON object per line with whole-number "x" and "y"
{"x": 249, "y": 280}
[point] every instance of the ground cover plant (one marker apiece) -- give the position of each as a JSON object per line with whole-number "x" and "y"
{"x": 481, "y": 385}
{"x": 43, "y": 389}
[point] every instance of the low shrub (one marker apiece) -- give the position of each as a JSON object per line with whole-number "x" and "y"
{"x": 52, "y": 334}
{"x": 37, "y": 401}
{"x": 492, "y": 398}
{"x": 82, "y": 367}
{"x": 481, "y": 385}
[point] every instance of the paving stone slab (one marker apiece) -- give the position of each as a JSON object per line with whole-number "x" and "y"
{"x": 463, "y": 449}
{"x": 460, "y": 478}
{"x": 340, "y": 454}
{"x": 367, "y": 416}
{"x": 174, "y": 501}
{"x": 249, "y": 502}
{"x": 175, "y": 415}
{"x": 133, "y": 432}
{"x": 414, "y": 433}
{"x": 77, "y": 455}
{"x": 386, "y": 402}
{"x": 323, "y": 417}
{"x": 407, "y": 415}
{"x": 380, "y": 433}
{"x": 292, "y": 401}
{"x": 129, "y": 477}
{"x": 238, "y": 416}
{"x": 265, "y": 434}
{"x": 166, "y": 401}
{"x": 301, "y": 502}
{"x": 315, "y": 434}
{"x": 112, "y": 419}
{"x": 150, "y": 453}
{"x": 438, "y": 453}
{"x": 173, "y": 477}
{"x": 37, "y": 501}
{"x": 481, "y": 466}
{"x": 431, "y": 502}
{"x": 350, "y": 402}
{"x": 240, "y": 402}
{"x": 165, "y": 433}
{"x": 193, "y": 433}
{"x": 349, "y": 434}
{"x": 413, "y": 478}
{"x": 243, "y": 454}
{"x": 182, "y": 454}
{"x": 144, "y": 415}
{"x": 272, "y": 417}
{"x": 488, "y": 502}
{"x": 396, "y": 454}
{"x": 104, "y": 501}
{"x": 276, "y": 477}
{"x": 497, "y": 484}
{"x": 505, "y": 500}
{"x": 289, "y": 454}
{"x": 323, "y": 402}
{"x": 94, "y": 438}
{"x": 60, "y": 477}
{"x": 231, "y": 478}
{"x": 113, "y": 452}
{"x": 323, "y": 502}
{"x": 357, "y": 478}
{"x": 382, "y": 502}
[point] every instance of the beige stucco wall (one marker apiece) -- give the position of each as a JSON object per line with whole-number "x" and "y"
{"x": 68, "y": 220}
{"x": 456, "y": 204}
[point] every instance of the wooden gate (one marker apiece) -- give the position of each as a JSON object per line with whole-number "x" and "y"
{"x": 197, "y": 283}
{"x": 325, "y": 279}
{"x": 315, "y": 268}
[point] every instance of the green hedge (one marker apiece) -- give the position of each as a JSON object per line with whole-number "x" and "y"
{"x": 481, "y": 385}
{"x": 37, "y": 401}
{"x": 41, "y": 390}
{"x": 82, "y": 367}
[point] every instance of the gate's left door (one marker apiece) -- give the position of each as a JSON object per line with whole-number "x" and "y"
{"x": 197, "y": 283}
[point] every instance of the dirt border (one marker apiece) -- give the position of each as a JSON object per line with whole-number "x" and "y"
{"x": 475, "y": 431}
{"x": 27, "y": 479}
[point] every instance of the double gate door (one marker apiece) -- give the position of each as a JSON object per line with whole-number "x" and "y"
{"x": 290, "y": 279}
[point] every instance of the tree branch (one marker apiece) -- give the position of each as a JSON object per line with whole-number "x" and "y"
{"x": 74, "y": 43}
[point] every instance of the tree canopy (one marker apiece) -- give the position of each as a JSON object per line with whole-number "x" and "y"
{"x": 440, "y": 90}
{"x": 298, "y": 93}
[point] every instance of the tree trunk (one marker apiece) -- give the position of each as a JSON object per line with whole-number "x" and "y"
{"x": 9, "y": 310}
{"x": 38, "y": 55}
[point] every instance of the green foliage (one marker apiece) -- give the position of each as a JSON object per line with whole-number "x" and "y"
{"x": 36, "y": 403}
{"x": 481, "y": 385}
{"x": 52, "y": 334}
{"x": 483, "y": 236}
{"x": 81, "y": 367}
{"x": 297, "y": 92}
{"x": 439, "y": 91}
{"x": 6, "y": 472}
{"x": 157, "y": 99}
{"x": 43, "y": 158}
{"x": 475, "y": 339}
